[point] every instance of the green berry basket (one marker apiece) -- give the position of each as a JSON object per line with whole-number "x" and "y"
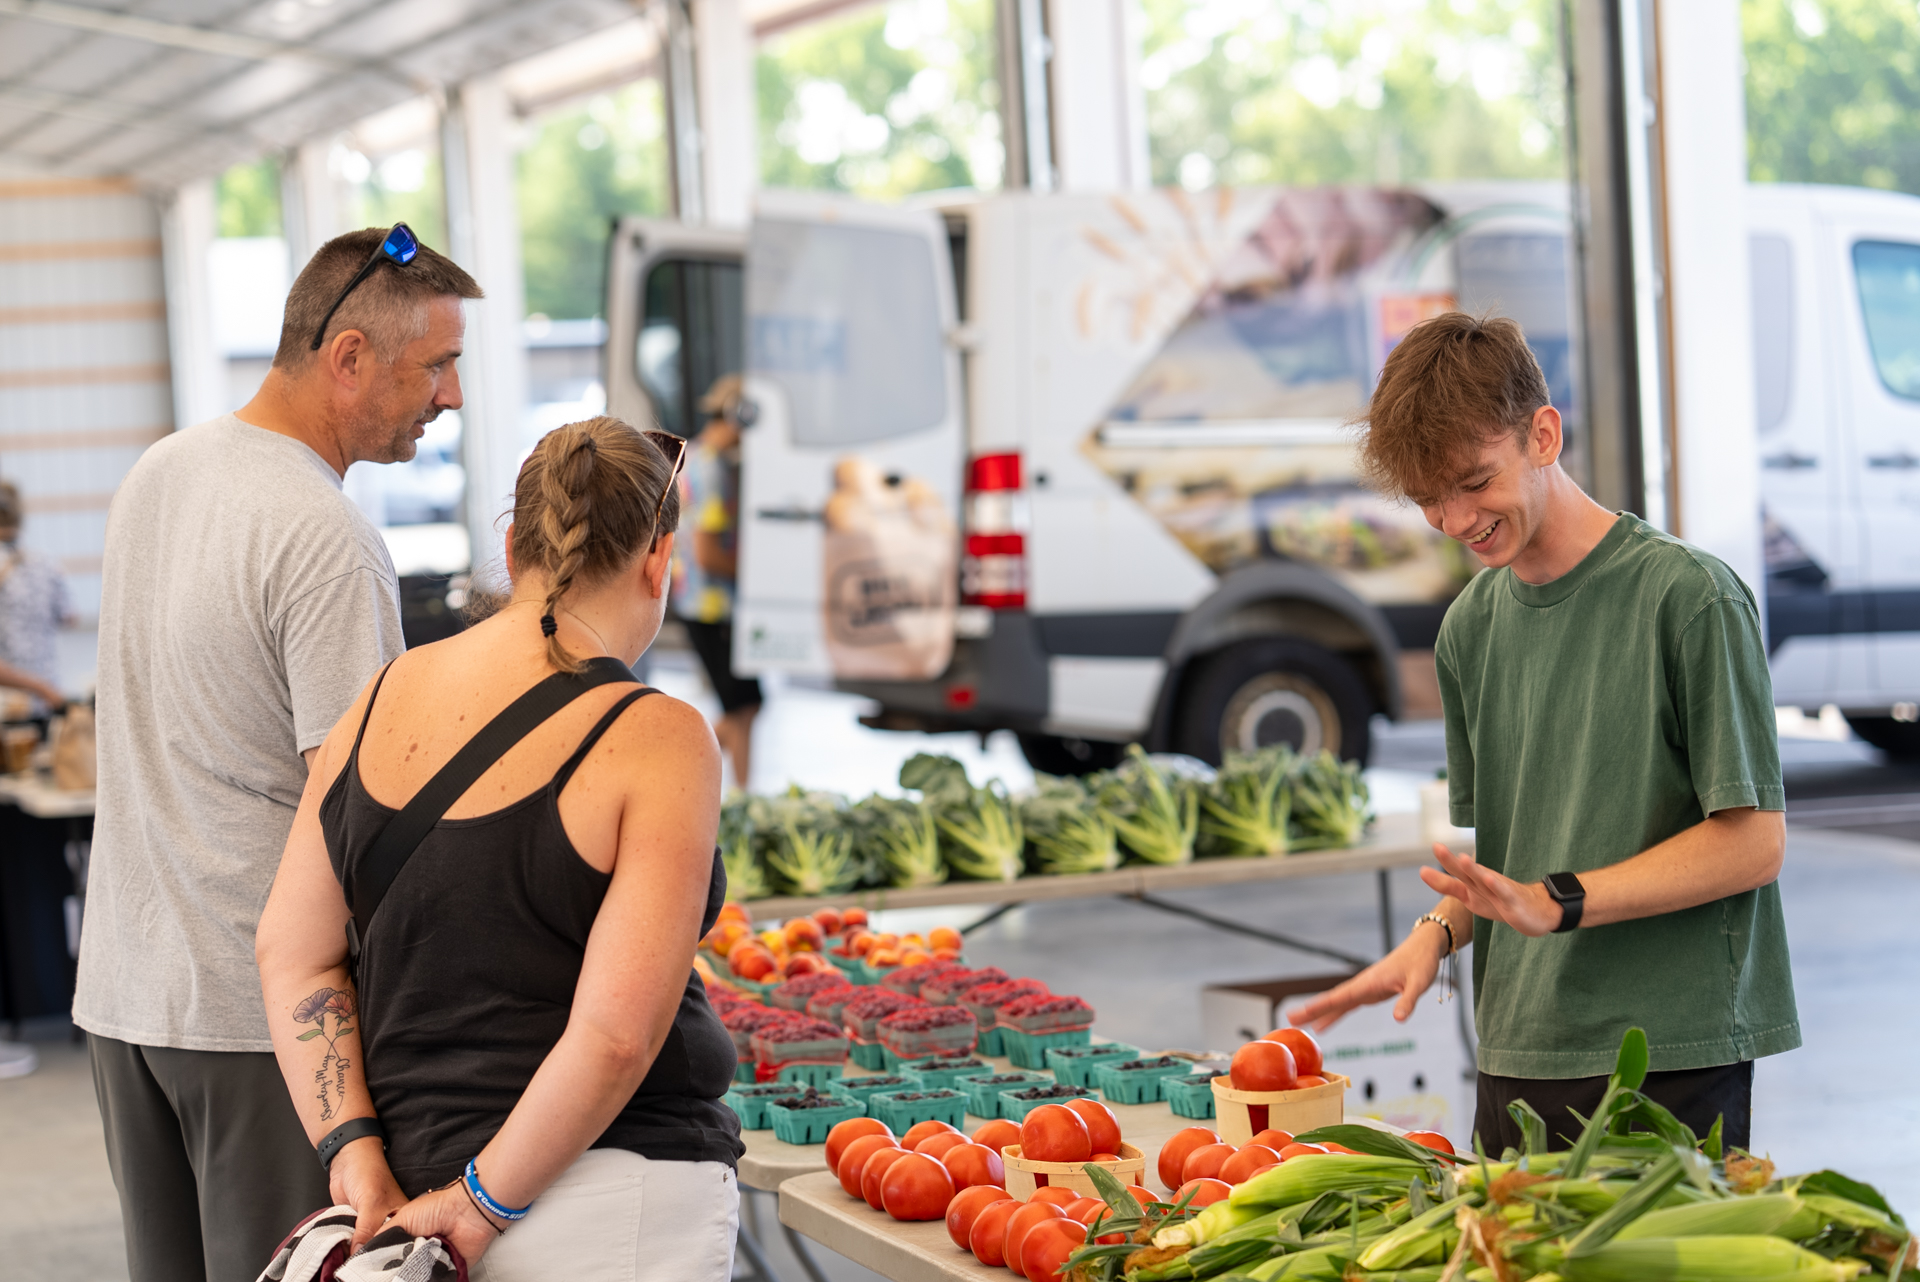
{"x": 1074, "y": 1065}
{"x": 934, "y": 1105}
{"x": 1029, "y": 1050}
{"x": 867, "y": 1054}
{"x": 1015, "y": 1109}
{"x": 743, "y": 1072}
{"x": 821, "y": 1075}
{"x": 983, "y": 1091}
{"x": 990, "y": 1042}
{"x": 1124, "y": 1085}
{"x": 938, "y": 1072}
{"x": 1189, "y": 1096}
{"x": 810, "y": 1125}
{"x": 865, "y": 1088}
{"x": 749, "y": 1103}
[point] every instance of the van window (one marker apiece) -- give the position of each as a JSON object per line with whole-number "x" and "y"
{"x": 1888, "y": 273}
{"x": 691, "y": 333}
{"x": 846, "y": 320}
{"x": 1771, "y": 262}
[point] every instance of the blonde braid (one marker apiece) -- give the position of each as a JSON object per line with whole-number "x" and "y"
{"x": 566, "y": 511}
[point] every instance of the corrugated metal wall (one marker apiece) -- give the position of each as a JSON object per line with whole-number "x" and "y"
{"x": 83, "y": 359}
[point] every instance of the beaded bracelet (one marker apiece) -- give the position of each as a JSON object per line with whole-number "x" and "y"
{"x": 1450, "y": 969}
{"x": 486, "y": 1202}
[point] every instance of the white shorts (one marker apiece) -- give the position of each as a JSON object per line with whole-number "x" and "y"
{"x": 615, "y": 1216}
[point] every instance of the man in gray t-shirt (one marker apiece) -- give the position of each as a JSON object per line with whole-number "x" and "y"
{"x": 245, "y": 602}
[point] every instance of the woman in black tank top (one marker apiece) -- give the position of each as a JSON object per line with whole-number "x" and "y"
{"x": 479, "y": 946}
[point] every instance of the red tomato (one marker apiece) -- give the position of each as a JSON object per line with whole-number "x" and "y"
{"x": 1300, "y": 1150}
{"x": 1021, "y": 1224}
{"x": 1262, "y": 1066}
{"x": 1205, "y": 1192}
{"x": 965, "y": 1209}
{"x": 936, "y": 1146}
{"x": 1205, "y": 1162}
{"x": 1301, "y": 1083}
{"x": 1331, "y": 1147}
{"x": 854, "y": 1157}
{"x": 1047, "y": 1247}
{"x": 1432, "y": 1140}
{"x": 877, "y": 1167}
{"x": 1239, "y": 1168}
{"x": 1085, "y": 1210}
{"x": 845, "y": 1133}
{"x": 973, "y": 1164}
{"x": 997, "y": 1134}
{"x": 1103, "y": 1129}
{"x": 988, "y": 1238}
{"x": 1306, "y": 1051}
{"x": 1275, "y": 1140}
{"x": 920, "y": 1130}
{"x": 1104, "y": 1157}
{"x": 1055, "y": 1133}
{"x": 1262, "y": 1170}
{"x": 1055, "y": 1194}
{"x": 1173, "y": 1154}
{"x": 916, "y": 1187}
{"x": 1143, "y": 1196}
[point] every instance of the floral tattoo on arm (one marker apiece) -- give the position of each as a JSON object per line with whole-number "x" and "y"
{"x": 331, "y": 1076}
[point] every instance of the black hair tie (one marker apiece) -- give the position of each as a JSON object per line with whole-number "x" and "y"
{"x": 547, "y": 625}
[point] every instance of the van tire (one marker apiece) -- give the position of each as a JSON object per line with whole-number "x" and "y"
{"x": 1053, "y": 754}
{"x": 1898, "y": 739}
{"x": 1277, "y": 689}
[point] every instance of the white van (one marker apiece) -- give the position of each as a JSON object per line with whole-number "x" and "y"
{"x": 1133, "y": 406}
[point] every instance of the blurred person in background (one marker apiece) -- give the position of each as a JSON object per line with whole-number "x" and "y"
{"x": 704, "y": 600}
{"x": 245, "y": 603}
{"x": 33, "y": 608}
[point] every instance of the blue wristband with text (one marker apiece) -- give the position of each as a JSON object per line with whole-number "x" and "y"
{"x": 486, "y": 1202}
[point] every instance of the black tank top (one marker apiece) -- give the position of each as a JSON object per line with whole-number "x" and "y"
{"x": 467, "y": 974}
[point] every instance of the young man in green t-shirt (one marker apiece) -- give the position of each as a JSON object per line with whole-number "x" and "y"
{"x": 1610, "y": 739}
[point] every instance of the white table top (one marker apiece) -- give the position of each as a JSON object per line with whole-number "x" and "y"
{"x": 1395, "y": 842}
{"x": 37, "y": 796}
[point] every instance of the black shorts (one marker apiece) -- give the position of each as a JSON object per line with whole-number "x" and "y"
{"x": 1696, "y": 1096}
{"x": 713, "y": 642}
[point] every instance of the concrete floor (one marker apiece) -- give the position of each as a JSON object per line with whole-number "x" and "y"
{"x": 1847, "y": 1099}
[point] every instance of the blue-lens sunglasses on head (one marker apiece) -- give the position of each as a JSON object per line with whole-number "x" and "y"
{"x": 398, "y": 247}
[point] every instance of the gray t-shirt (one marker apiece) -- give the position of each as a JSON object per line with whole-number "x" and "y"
{"x": 245, "y": 601}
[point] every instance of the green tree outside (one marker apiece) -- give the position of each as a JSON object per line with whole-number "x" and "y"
{"x": 247, "y": 199}
{"x": 1833, "y": 92}
{"x": 1241, "y": 92}
{"x": 582, "y": 168}
{"x": 883, "y": 102}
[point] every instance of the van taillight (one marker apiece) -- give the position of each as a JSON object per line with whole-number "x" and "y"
{"x": 993, "y": 571}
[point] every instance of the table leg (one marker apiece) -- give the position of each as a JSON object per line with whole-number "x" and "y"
{"x": 989, "y": 919}
{"x": 756, "y": 1253}
{"x": 1386, "y": 911}
{"x": 802, "y": 1254}
{"x": 749, "y": 1246}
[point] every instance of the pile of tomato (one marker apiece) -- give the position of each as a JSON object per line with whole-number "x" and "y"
{"x": 936, "y": 1171}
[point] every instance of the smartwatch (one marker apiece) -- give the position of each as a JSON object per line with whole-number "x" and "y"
{"x": 1570, "y": 895}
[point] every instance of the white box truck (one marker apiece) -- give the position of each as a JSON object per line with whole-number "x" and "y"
{"x": 1126, "y": 414}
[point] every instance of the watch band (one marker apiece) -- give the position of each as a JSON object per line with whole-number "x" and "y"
{"x": 347, "y": 1132}
{"x": 1571, "y": 898}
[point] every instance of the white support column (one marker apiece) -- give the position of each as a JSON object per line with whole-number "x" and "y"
{"x": 1703, "y": 138}
{"x": 188, "y": 222}
{"x": 723, "y": 83}
{"x": 310, "y": 205}
{"x": 1099, "y": 106}
{"x": 483, "y": 231}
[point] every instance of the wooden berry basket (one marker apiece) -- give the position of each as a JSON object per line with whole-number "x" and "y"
{"x": 1243, "y": 1114}
{"x": 1023, "y": 1176}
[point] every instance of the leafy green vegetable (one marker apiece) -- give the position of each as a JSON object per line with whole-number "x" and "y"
{"x": 1331, "y": 804}
{"x": 902, "y": 840}
{"x": 1155, "y": 811}
{"x": 1068, "y": 832}
{"x": 1245, "y": 810}
{"x": 987, "y": 841}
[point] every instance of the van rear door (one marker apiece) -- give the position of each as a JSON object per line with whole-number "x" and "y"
{"x": 848, "y": 311}
{"x": 674, "y": 319}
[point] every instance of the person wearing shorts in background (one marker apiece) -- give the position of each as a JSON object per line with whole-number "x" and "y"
{"x": 705, "y": 596}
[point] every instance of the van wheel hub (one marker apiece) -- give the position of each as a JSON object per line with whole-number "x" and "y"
{"x": 1280, "y": 708}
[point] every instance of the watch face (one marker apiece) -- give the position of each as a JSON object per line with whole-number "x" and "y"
{"x": 1564, "y": 885}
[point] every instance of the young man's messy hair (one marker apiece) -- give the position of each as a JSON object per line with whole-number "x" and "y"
{"x": 1454, "y": 384}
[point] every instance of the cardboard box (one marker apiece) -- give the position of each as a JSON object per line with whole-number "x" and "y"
{"x": 1418, "y": 1075}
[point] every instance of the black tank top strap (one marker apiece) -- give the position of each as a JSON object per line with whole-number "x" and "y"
{"x": 368, "y": 714}
{"x": 605, "y": 723}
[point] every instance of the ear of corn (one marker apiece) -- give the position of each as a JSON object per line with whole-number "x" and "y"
{"x": 1425, "y": 1239}
{"x": 1707, "y": 1259}
{"x": 1303, "y": 1180}
{"x": 1779, "y": 1214}
{"x": 1213, "y": 1221}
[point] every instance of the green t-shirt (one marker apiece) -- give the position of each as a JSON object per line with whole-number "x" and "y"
{"x": 1588, "y": 719}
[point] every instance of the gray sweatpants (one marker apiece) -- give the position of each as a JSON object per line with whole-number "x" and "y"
{"x": 210, "y": 1159}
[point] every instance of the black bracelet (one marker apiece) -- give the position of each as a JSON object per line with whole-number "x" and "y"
{"x": 347, "y": 1132}
{"x": 1441, "y": 921}
{"x": 497, "y": 1230}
